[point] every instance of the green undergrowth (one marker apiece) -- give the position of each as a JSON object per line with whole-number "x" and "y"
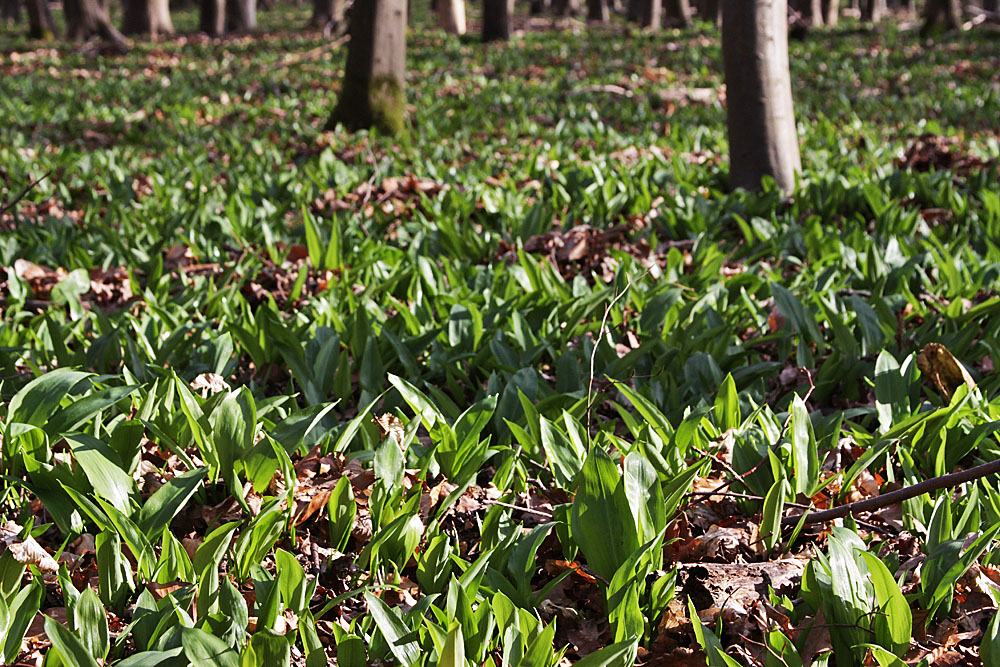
{"x": 207, "y": 299}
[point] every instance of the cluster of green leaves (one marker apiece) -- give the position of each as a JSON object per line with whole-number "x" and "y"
{"x": 492, "y": 358}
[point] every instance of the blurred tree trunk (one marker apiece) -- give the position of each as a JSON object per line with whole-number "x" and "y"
{"x": 10, "y": 11}
{"x": 811, "y": 10}
{"x": 451, "y": 16}
{"x": 241, "y": 15}
{"x": 41, "y": 25}
{"x": 677, "y": 13}
{"x": 831, "y": 12}
{"x": 947, "y": 13}
{"x": 759, "y": 113}
{"x": 566, "y": 7}
{"x": 327, "y": 14}
{"x": 87, "y": 18}
{"x": 992, "y": 6}
{"x": 373, "y": 94}
{"x": 597, "y": 10}
{"x": 711, "y": 11}
{"x": 212, "y": 20}
{"x": 874, "y": 10}
{"x": 147, "y": 17}
{"x": 539, "y": 7}
{"x": 496, "y": 20}
{"x": 651, "y": 14}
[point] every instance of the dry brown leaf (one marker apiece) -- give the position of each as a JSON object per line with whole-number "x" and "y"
{"x": 31, "y": 552}
{"x": 390, "y": 424}
{"x": 943, "y": 370}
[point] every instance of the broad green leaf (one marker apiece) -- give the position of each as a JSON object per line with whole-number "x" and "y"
{"x": 893, "y": 623}
{"x": 91, "y": 623}
{"x": 165, "y": 503}
{"x": 38, "y": 400}
{"x": 392, "y": 628}
{"x": 201, "y": 648}
{"x": 70, "y": 648}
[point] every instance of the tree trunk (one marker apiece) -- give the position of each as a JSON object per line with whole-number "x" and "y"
{"x": 597, "y": 11}
{"x": 538, "y": 7}
{"x": 947, "y": 13}
{"x": 496, "y": 20}
{"x": 874, "y": 10}
{"x": 759, "y": 114}
{"x": 327, "y": 14}
{"x": 831, "y": 12}
{"x": 451, "y": 16}
{"x": 373, "y": 94}
{"x": 650, "y": 16}
{"x": 10, "y": 11}
{"x": 213, "y": 17}
{"x": 711, "y": 11}
{"x": 564, "y": 7}
{"x": 992, "y": 6}
{"x": 41, "y": 25}
{"x": 241, "y": 15}
{"x": 678, "y": 13}
{"x": 87, "y": 18}
{"x": 147, "y": 17}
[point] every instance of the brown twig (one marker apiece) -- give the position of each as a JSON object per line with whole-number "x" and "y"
{"x": 519, "y": 508}
{"x": 897, "y": 496}
{"x": 24, "y": 192}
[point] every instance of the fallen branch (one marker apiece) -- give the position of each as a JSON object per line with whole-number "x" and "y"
{"x": 24, "y": 192}
{"x": 898, "y": 496}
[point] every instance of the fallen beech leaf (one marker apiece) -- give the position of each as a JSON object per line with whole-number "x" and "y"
{"x": 31, "y": 552}
{"x": 939, "y": 365}
{"x": 389, "y": 423}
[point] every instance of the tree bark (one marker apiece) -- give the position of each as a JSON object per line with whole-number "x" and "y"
{"x": 327, "y": 14}
{"x": 41, "y": 24}
{"x": 496, "y": 20}
{"x": 147, "y": 17}
{"x": 539, "y": 7}
{"x": 241, "y": 15}
{"x": 10, "y": 11}
{"x": 947, "y": 13}
{"x": 874, "y": 10}
{"x": 597, "y": 11}
{"x": 759, "y": 114}
{"x": 711, "y": 10}
{"x": 212, "y": 21}
{"x": 373, "y": 93}
{"x": 831, "y": 12}
{"x": 89, "y": 18}
{"x": 651, "y": 14}
{"x": 678, "y": 13}
{"x": 451, "y": 15}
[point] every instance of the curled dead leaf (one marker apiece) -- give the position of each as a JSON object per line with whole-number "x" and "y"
{"x": 31, "y": 552}
{"x": 943, "y": 370}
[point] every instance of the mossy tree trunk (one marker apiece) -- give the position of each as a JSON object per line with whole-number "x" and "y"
{"x": 759, "y": 113}
{"x": 327, "y": 14}
{"x": 41, "y": 24}
{"x": 147, "y": 17}
{"x": 496, "y": 20}
{"x": 373, "y": 93}
{"x": 212, "y": 20}
{"x": 89, "y": 18}
{"x": 241, "y": 15}
{"x": 451, "y": 16}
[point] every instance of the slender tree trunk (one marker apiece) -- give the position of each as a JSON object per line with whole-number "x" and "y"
{"x": 327, "y": 14}
{"x": 373, "y": 93}
{"x": 10, "y": 11}
{"x": 564, "y": 7}
{"x": 760, "y": 117}
{"x": 597, "y": 11}
{"x": 241, "y": 15}
{"x": 711, "y": 10}
{"x": 212, "y": 21}
{"x": 677, "y": 13}
{"x": 651, "y": 14}
{"x": 451, "y": 16}
{"x": 539, "y": 7}
{"x": 41, "y": 24}
{"x": 147, "y": 17}
{"x": 87, "y": 18}
{"x": 831, "y": 12}
{"x": 496, "y": 20}
{"x": 874, "y": 10}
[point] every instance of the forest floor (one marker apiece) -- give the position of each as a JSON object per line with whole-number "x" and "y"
{"x": 523, "y": 385}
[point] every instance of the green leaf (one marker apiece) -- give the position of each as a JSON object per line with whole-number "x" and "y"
{"x": 70, "y": 648}
{"x": 201, "y": 648}
{"x": 392, "y": 628}
{"x": 20, "y": 612}
{"x": 601, "y": 519}
{"x": 108, "y": 479}
{"x": 91, "y": 623}
{"x": 268, "y": 649}
{"x": 165, "y": 503}
{"x": 804, "y": 452}
{"x": 621, "y": 654}
{"x": 453, "y": 651}
{"x": 342, "y": 509}
{"x": 774, "y": 504}
{"x": 893, "y": 623}
{"x": 708, "y": 641}
{"x": 38, "y": 400}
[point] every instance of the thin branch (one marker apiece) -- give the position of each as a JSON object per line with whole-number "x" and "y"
{"x": 24, "y": 192}
{"x": 519, "y": 508}
{"x": 871, "y": 504}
